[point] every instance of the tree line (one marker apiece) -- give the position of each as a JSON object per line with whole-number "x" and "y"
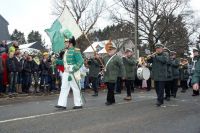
{"x": 33, "y": 36}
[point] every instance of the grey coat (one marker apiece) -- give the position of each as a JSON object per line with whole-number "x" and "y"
{"x": 159, "y": 67}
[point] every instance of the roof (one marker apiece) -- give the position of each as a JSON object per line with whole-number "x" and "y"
{"x": 2, "y": 18}
{"x": 34, "y": 45}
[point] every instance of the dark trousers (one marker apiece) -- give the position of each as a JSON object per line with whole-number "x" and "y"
{"x": 94, "y": 81}
{"x": 27, "y": 82}
{"x": 174, "y": 87}
{"x": 119, "y": 85}
{"x": 129, "y": 86}
{"x": 44, "y": 83}
{"x": 36, "y": 80}
{"x": 52, "y": 82}
{"x": 160, "y": 86}
{"x": 168, "y": 88}
{"x": 184, "y": 84}
{"x": 149, "y": 84}
{"x": 196, "y": 92}
{"x": 110, "y": 93}
{"x": 12, "y": 82}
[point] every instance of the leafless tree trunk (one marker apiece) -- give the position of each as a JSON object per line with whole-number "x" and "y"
{"x": 85, "y": 12}
{"x": 150, "y": 12}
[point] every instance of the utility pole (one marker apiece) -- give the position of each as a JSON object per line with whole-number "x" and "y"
{"x": 136, "y": 28}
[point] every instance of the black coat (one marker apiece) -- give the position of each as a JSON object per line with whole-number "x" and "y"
{"x": 35, "y": 67}
{"x": 18, "y": 64}
{"x": 27, "y": 67}
{"x": 44, "y": 67}
{"x": 11, "y": 65}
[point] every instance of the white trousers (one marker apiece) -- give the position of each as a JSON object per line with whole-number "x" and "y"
{"x": 65, "y": 88}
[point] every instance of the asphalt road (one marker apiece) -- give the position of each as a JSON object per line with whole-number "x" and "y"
{"x": 38, "y": 115}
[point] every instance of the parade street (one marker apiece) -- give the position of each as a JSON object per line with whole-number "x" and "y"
{"x": 36, "y": 114}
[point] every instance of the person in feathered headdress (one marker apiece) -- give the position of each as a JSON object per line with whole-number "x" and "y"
{"x": 114, "y": 67}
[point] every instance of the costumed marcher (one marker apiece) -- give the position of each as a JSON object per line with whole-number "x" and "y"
{"x": 94, "y": 69}
{"x": 195, "y": 59}
{"x": 73, "y": 61}
{"x": 196, "y": 78}
{"x": 113, "y": 65}
{"x": 184, "y": 75}
{"x": 130, "y": 67}
{"x": 175, "y": 73}
{"x": 168, "y": 82}
{"x": 159, "y": 72}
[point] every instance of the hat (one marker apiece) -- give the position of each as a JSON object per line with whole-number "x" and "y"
{"x": 173, "y": 52}
{"x": 45, "y": 53}
{"x": 72, "y": 40}
{"x": 113, "y": 47}
{"x": 128, "y": 50}
{"x": 159, "y": 46}
{"x": 166, "y": 49}
{"x": 195, "y": 49}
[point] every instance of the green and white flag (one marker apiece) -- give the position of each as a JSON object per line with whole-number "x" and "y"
{"x": 63, "y": 27}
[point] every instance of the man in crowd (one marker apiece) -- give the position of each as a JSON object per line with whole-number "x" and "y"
{"x": 44, "y": 68}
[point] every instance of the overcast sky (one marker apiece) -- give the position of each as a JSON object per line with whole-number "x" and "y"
{"x": 27, "y": 15}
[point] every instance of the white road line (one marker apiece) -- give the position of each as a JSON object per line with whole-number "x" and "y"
{"x": 62, "y": 112}
{"x": 89, "y": 108}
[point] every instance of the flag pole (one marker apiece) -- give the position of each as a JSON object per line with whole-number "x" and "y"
{"x": 90, "y": 44}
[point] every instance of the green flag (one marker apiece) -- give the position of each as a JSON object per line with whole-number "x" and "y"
{"x": 63, "y": 27}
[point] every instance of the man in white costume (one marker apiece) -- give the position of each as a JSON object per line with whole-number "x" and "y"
{"x": 73, "y": 61}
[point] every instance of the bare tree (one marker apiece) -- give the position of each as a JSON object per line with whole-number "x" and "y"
{"x": 85, "y": 12}
{"x": 150, "y": 12}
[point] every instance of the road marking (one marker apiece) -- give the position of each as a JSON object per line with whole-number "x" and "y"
{"x": 67, "y": 111}
{"x": 5, "y": 105}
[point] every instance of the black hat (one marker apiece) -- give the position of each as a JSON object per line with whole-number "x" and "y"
{"x": 72, "y": 40}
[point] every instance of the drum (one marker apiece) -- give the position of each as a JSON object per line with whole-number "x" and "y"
{"x": 143, "y": 73}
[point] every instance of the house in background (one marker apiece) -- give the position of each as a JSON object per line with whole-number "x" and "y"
{"x": 4, "y": 34}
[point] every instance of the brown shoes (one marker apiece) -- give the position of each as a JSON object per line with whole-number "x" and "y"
{"x": 128, "y": 98}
